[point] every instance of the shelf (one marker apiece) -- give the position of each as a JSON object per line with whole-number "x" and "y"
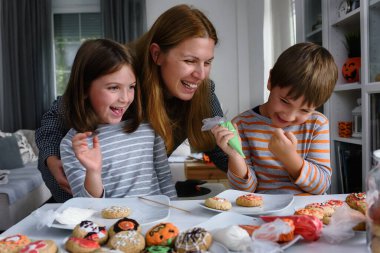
{"x": 349, "y": 140}
{"x": 351, "y": 18}
{"x": 315, "y": 32}
{"x": 372, "y": 87}
{"x": 348, "y": 86}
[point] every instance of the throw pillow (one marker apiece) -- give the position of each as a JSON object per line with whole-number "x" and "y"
{"x": 26, "y": 151}
{"x": 10, "y": 157}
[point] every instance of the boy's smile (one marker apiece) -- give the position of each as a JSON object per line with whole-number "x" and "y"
{"x": 283, "y": 110}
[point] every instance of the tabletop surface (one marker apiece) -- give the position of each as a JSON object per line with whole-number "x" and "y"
{"x": 196, "y": 215}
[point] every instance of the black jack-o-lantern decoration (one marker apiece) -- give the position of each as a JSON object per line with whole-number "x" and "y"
{"x": 351, "y": 69}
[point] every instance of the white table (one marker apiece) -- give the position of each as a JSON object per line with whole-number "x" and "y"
{"x": 184, "y": 220}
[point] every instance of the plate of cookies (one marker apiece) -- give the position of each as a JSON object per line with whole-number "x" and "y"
{"x": 247, "y": 203}
{"x": 106, "y": 211}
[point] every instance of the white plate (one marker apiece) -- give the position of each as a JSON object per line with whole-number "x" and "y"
{"x": 143, "y": 211}
{"x": 217, "y": 247}
{"x": 271, "y": 203}
{"x": 223, "y": 220}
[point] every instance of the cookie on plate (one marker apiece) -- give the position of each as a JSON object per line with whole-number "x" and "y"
{"x": 193, "y": 240}
{"x": 115, "y": 212}
{"x": 13, "y": 243}
{"x": 129, "y": 241}
{"x": 335, "y": 203}
{"x": 74, "y": 245}
{"x": 163, "y": 234}
{"x": 327, "y": 209}
{"x": 40, "y": 246}
{"x": 91, "y": 231}
{"x": 124, "y": 224}
{"x": 357, "y": 201}
{"x": 249, "y": 200}
{"x": 316, "y": 212}
{"x": 107, "y": 250}
{"x": 218, "y": 203}
{"x": 158, "y": 249}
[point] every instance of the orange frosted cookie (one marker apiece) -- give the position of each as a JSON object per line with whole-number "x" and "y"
{"x": 163, "y": 234}
{"x": 13, "y": 244}
{"x": 40, "y": 246}
{"x": 249, "y": 200}
{"x": 335, "y": 203}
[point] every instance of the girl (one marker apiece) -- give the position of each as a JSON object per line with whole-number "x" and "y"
{"x": 108, "y": 152}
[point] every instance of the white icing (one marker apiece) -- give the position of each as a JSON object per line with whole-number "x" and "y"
{"x": 233, "y": 237}
{"x": 74, "y": 215}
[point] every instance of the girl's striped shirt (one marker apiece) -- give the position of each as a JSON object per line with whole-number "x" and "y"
{"x": 134, "y": 164}
{"x": 266, "y": 174}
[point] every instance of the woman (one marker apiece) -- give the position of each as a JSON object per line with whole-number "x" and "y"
{"x": 175, "y": 58}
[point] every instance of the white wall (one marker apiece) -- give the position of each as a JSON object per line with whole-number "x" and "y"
{"x": 237, "y": 88}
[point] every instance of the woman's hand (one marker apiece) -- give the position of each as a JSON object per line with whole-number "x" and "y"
{"x": 54, "y": 164}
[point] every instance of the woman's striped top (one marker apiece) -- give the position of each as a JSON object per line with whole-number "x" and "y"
{"x": 134, "y": 164}
{"x": 266, "y": 173}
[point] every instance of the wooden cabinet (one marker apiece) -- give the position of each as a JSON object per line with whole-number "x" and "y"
{"x": 205, "y": 171}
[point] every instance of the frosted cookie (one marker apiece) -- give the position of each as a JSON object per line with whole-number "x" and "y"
{"x": 249, "y": 200}
{"x": 115, "y": 212}
{"x": 40, "y": 246}
{"x": 335, "y": 203}
{"x": 158, "y": 249}
{"x": 162, "y": 234}
{"x": 81, "y": 245}
{"x": 129, "y": 241}
{"x": 357, "y": 201}
{"x": 91, "y": 231}
{"x": 327, "y": 209}
{"x": 218, "y": 203}
{"x": 124, "y": 224}
{"x": 316, "y": 212}
{"x": 193, "y": 240}
{"x": 13, "y": 243}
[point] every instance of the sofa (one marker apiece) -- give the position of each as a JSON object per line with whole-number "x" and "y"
{"x": 22, "y": 189}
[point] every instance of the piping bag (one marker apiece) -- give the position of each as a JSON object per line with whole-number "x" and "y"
{"x": 217, "y": 120}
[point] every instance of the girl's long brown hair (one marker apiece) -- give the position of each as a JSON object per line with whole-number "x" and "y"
{"x": 96, "y": 58}
{"x": 177, "y": 24}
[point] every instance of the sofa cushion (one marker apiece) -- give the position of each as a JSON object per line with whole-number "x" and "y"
{"x": 10, "y": 157}
{"x": 25, "y": 149}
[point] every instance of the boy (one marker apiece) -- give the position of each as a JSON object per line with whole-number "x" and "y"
{"x": 285, "y": 141}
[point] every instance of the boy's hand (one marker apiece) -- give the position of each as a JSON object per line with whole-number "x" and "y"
{"x": 90, "y": 158}
{"x": 222, "y": 136}
{"x": 283, "y": 144}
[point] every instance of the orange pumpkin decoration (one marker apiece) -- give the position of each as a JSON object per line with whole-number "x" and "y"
{"x": 351, "y": 69}
{"x": 162, "y": 234}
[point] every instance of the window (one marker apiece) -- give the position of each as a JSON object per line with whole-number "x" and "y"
{"x": 70, "y": 30}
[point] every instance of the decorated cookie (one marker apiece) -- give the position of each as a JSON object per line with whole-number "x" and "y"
{"x": 218, "y": 203}
{"x": 162, "y": 234}
{"x": 159, "y": 249}
{"x": 115, "y": 212}
{"x": 13, "y": 244}
{"x": 335, "y": 203}
{"x": 327, "y": 209}
{"x": 75, "y": 245}
{"x": 124, "y": 224}
{"x": 357, "y": 201}
{"x": 40, "y": 246}
{"x": 316, "y": 212}
{"x": 193, "y": 240}
{"x": 249, "y": 200}
{"x": 107, "y": 250}
{"x": 129, "y": 241}
{"x": 91, "y": 231}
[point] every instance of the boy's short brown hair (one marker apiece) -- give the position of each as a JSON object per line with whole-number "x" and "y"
{"x": 310, "y": 71}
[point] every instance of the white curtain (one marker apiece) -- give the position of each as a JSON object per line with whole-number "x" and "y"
{"x": 279, "y": 31}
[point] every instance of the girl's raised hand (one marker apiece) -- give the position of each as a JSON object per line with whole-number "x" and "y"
{"x": 90, "y": 158}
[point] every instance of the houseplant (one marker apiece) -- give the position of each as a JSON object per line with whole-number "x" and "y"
{"x": 351, "y": 67}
